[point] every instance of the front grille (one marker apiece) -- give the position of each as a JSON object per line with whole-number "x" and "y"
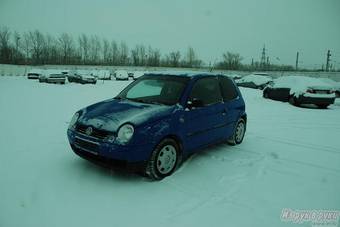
{"x": 97, "y": 133}
{"x": 322, "y": 91}
{"x": 91, "y": 147}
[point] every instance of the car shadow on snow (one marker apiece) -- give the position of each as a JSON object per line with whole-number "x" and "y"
{"x": 110, "y": 173}
{"x": 219, "y": 151}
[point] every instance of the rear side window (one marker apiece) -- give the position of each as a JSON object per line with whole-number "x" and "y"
{"x": 208, "y": 90}
{"x": 229, "y": 91}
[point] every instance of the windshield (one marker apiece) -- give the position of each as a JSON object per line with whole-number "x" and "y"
{"x": 155, "y": 89}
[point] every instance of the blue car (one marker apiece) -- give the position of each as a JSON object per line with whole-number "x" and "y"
{"x": 158, "y": 120}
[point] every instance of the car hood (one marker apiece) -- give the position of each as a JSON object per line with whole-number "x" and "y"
{"x": 109, "y": 115}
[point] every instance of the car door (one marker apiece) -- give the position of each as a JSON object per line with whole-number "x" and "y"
{"x": 231, "y": 103}
{"x": 203, "y": 124}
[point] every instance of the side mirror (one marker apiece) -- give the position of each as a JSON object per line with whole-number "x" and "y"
{"x": 195, "y": 103}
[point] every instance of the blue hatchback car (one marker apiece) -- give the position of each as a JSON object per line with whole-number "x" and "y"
{"x": 158, "y": 120}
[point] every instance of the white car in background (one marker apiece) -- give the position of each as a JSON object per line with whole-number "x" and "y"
{"x": 82, "y": 77}
{"x": 335, "y": 85}
{"x": 121, "y": 75}
{"x": 255, "y": 80}
{"x": 234, "y": 76}
{"x": 138, "y": 74}
{"x": 299, "y": 90}
{"x": 35, "y": 73}
{"x": 102, "y": 74}
{"x": 53, "y": 76}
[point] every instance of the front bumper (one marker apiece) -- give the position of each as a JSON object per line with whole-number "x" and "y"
{"x": 34, "y": 77}
{"x": 89, "y": 81}
{"x": 105, "y": 153}
{"x": 315, "y": 100}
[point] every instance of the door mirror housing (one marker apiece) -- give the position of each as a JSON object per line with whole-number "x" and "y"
{"x": 195, "y": 103}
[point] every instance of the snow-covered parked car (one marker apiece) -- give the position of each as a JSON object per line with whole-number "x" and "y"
{"x": 87, "y": 79}
{"x": 121, "y": 75}
{"x": 82, "y": 77}
{"x": 53, "y": 76}
{"x": 158, "y": 120}
{"x": 234, "y": 76}
{"x": 299, "y": 90}
{"x": 138, "y": 74}
{"x": 102, "y": 74}
{"x": 35, "y": 73}
{"x": 256, "y": 80}
{"x": 335, "y": 85}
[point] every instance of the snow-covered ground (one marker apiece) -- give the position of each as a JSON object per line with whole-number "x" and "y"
{"x": 290, "y": 158}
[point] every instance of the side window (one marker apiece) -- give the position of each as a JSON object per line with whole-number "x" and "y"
{"x": 228, "y": 89}
{"x": 208, "y": 90}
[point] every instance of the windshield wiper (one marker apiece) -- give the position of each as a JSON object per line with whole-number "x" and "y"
{"x": 146, "y": 101}
{"x": 118, "y": 98}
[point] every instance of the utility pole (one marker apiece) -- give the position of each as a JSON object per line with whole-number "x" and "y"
{"x": 328, "y": 60}
{"x": 267, "y": 64}
{"x": 297, "y": 61}
{"x": 263, "y": 57}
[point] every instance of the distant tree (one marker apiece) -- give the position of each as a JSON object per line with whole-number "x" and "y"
{"x": 17, "y": 55}
{"x": 37, "y": 41}
{"x": 154, "y": 57}
{"x": 66, "y": 45}
{"x": 26, "y": 46}
{"x": 46, "y": 54}
{"x": 191, "y": 60}
{"x": 114, "y": 53}
{"x": 106, "y": 52}
{"x": 174, "y": 58}
{"x": 123, "y": 54}
{"x": 95, "y": 49}
{"x": 231, "y": 61}
{"x": 5, "y": 46}
{"x": 139, "y": 56}
{"x": 135, "y": 56}
{"x": 84, "y": 47}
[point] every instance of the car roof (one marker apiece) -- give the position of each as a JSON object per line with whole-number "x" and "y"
{"x": 189, "y": 74}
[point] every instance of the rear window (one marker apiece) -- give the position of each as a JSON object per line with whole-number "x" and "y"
{"x": 229, "y": 91}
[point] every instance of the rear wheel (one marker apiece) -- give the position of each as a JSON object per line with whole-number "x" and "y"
{"x": 238, "y": 134}
{"x": 164, "y": 160}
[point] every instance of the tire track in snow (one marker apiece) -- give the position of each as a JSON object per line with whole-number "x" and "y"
{"x": 315, "y": 147}
{"x": 202, "y": 199}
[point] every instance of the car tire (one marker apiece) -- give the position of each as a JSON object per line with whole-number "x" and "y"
{"x": 265, "y": 94}
{"x": 323, "y": 106}
{"x": 164, "y": 160}
{"x": 292, "y": 100}
{"x": 238, "y": 134}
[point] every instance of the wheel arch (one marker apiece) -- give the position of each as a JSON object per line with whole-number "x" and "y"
{"x": 176, "y": 138}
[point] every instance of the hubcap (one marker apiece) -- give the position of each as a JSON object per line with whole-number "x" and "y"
{"x": 166, "y": 159}
{"x": 239, "y": 132}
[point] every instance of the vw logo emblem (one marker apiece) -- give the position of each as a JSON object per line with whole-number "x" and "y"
{"x": 89, "y": 131}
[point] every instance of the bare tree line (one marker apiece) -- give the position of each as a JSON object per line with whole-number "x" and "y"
{"x": 36, "y": 48}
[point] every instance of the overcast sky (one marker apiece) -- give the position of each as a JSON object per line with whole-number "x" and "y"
{"x": 210, "y": 26}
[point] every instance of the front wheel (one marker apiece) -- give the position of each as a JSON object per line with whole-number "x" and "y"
{"x": 293, "y": 101}
{"x": 265, "y": 94}
{"x": 238, "y": 134}
{"x": 164, "y": 160}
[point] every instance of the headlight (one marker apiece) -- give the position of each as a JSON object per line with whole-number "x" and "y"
{"x": 74, "y": 120}
{"x": 125, "y": 133}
